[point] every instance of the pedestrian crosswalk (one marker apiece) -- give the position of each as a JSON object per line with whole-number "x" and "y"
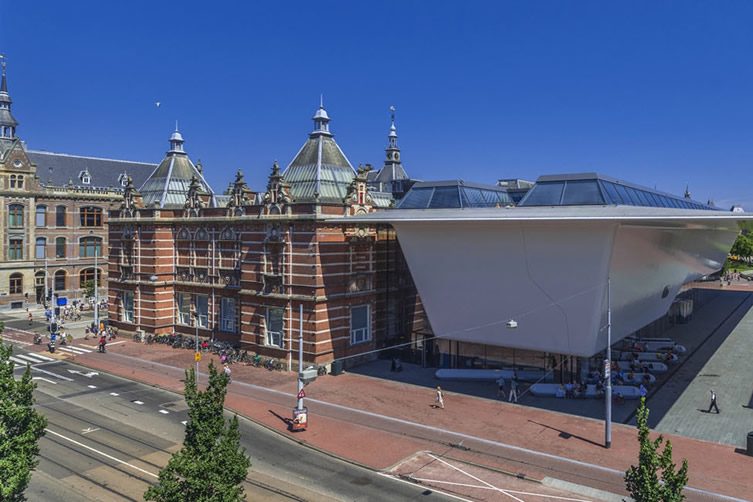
{"x": 21, "y": 360}
{"x": 71, "y": 349}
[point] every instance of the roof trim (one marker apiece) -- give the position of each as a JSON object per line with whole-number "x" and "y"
{"x": 45, "y": 152}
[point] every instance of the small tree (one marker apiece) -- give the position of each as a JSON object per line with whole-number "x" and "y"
{"x": 89, "y": 289}
{"x": 212, "y": 464}
{"x": 643, "y": 481}
{"x": 21, "y": 426}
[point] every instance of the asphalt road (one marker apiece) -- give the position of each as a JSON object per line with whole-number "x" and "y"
{"x": 108, "y": 437}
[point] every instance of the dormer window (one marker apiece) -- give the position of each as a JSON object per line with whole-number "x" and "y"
{"x": 85, "y": 177}
{"x": 123, "y": 179}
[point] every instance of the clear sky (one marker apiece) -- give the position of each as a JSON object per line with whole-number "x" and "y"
{"x": 658, "y": 93}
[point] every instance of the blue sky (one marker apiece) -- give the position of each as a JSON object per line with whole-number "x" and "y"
{"x": 658, "y": 93}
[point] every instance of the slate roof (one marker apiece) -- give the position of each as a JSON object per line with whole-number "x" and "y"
{"x": 320, "y": 171}
{"x": 59, "y": 168}
{"x": 168, "y": 184}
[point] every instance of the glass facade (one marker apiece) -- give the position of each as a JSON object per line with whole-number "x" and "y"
{"x": 454, "y": 196}
{"x": 601, "y": 191}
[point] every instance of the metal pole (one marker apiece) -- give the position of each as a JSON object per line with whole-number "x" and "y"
{"x": 299, "y": 406}
{"x": 608, "y": 371}
{"x": 197, "y": 343}
{"x": 96, "y": 280}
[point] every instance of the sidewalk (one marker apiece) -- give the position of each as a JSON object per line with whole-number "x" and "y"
{"x": 379, "y": 423}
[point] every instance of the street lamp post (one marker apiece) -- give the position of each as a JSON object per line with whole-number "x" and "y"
{"x": 607, "y": 372}
{"x": 196, "y": 325}
{"x": 96, "y": 280}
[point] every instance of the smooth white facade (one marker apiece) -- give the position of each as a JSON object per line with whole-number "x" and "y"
{"x": 547, "y": 269}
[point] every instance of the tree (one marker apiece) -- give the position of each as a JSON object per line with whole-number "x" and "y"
{"x": 643, "y": 481}
{"x": 89, "y": 289}
{"x": 21, "y": 426}
{"x": 212, "y": 464}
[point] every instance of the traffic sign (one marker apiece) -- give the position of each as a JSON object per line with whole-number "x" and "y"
{"x": 301, "y": 394}
{"x": 197, "y": 357}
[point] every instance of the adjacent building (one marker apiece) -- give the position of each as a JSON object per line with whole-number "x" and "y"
{"x": 54, "y": 211}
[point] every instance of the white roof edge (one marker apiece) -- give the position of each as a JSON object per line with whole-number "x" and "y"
{"x": 45, "y": 152}
{"x": 546, "y": 214}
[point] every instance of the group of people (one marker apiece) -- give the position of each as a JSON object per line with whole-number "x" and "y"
{"x": 502, "y": 389}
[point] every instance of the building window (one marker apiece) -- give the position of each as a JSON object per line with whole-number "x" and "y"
{"x": 128, "y": 306}
{"x": 202, "y": 310}
{"x": 59, "y": 280}
{"x": 16, "y": 216}
{"x": 41, "y": 220}
{"x": 275, "y": 326}
{"x": 227, "y": 315}
{"x": 90, "y": 247}
{"x": 184, "y": 308}
{"x": 16, "y": 284}
{"x": 16, "y": 249}
{"x": 20, "y": 181}
{"x": 88, "y": 275}
{"x": 60, "y": 247}
{"x": 41, "y": 248}
{"x": 12, "y": 181}
{"x": 91, "y": 217}
{"x": 60, "y": 216}
{"x": 360, "y": 327}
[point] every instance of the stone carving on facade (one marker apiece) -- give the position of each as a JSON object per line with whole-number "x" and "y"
{"x": 194, "y": 202}
{"x": 239, "y": 196}
{"x": 358, "y": 198}
{"x": 277, "y": 197}
{"x": 131, "y": 199}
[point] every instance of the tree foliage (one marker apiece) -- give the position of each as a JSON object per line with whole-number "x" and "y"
{"x": 655, "y": 478}
{"x": 89, "y": 289}
{"x": 743, "y": 246}
{"x": 212, "y": 464}
{"x": 21, "y": 426}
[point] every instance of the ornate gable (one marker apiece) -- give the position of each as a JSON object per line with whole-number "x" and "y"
{"x": 194, "y": 201}
{"x": 131, "y": 199}
{"x": 359, "y": 200}
{"x": 277, "y": 198}
{"x": 239, "y": 196}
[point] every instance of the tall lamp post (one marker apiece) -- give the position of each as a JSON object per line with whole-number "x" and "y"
{"x": 608, "y": 371}
{"x": 96, "y": 280}
{"x": 196, "y": 325}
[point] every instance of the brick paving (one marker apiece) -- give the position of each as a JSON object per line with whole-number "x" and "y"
{"x": 379, "y": 423}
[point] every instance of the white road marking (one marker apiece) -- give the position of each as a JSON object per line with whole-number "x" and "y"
{"x": 75, "y": 350}
{"x": 137, "y": 402}
{"x": 87, "y": 375}
{"x": 184, "y": 422}
{"x": 44, "y": 380}
{"x": 42, "y": 357}
{"x": 108, "y": 344}
{"x": 92, "y": 386}
{"x": 164, "y": 412}
{"x": 114, "y": 394}
{"x": 60, "y": 377}
{"x": 31, "y": 358}
{"x": 114, "y": 459}
{"x": 89, "y": 429}
{"x": 492, "y": 487}
{"x": 19, "y": 361}
{"x": 395, "y": 478}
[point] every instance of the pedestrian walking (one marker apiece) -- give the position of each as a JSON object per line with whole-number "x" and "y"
{"x": 439, "y": 400}
{"x": 713, "y": 405}
{"x": 513, "y": 390}
{"x": 228, "y": 372}
{"x": 501, "y": 388}
{"x": 643, "y": 391}
{"x": 30, "y": 317}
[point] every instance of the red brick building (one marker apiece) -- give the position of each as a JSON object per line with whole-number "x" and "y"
{"x": 240, "y": 266}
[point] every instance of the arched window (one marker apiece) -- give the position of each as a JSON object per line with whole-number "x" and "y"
{"x": 91, "y": 217}
{"x": 16, "y": 216}
{"x": 16, "y": 285}
{"x": 60, "y": 247}
{"x": 90, "y": 247}
{"x": 20, "y": 181}
{"x": 60, "y": 216}
{"x": 12, "y": 181}
{"x": 41, "y": 220}
{"x": 87, "y": 275}
{"x": 41, "y": 248}
{"x": 59, "y": 280}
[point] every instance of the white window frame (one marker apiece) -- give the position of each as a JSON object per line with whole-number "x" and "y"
{"x": 183, "y": 302}
{"x": 128, "y": 306}
{"x": 228, "y": 314}
{"x": 360, "y": 334}
{"x": 274, "y": 338}
{"x": 202, "y": 314}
